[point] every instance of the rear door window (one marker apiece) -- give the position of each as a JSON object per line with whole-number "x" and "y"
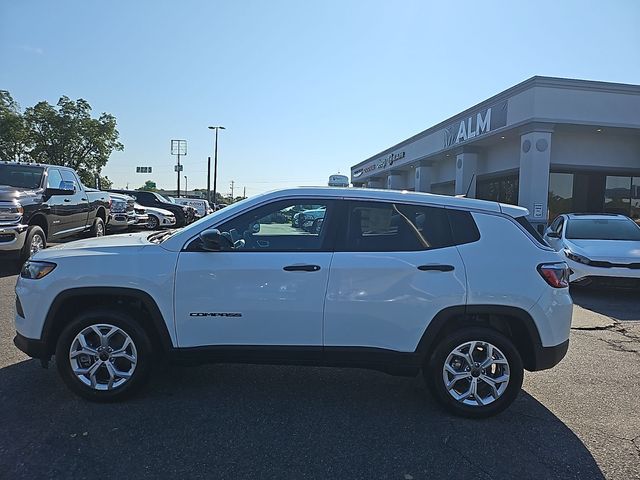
{"x": 395, "y": 227}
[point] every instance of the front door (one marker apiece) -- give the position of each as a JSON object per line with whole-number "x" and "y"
{"x": 395, "y": 268}
{"x": 269, "y": 290}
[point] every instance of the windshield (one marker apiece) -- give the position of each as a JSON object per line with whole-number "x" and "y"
{"x": 21, "y": 176}
{"x": 602, "y": 229}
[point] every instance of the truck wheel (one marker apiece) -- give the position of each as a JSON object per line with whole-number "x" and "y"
{"x": 36, "y": 240}
{"x": 103, "y": 355}
{"x": 153, "y": 222}
{"x": 97, "y": 230}
{"x": 475, "y": 372}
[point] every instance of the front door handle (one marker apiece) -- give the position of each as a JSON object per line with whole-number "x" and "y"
{"x": 436, "y": 268}
{"x": 67, "y": 200}
{"x": 301, "y": 268}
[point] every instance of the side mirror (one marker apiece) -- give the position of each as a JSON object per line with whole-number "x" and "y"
{"x": 255, "y": 228}
{"x": 66, "y": 188}
{"x": 214, "y": 241}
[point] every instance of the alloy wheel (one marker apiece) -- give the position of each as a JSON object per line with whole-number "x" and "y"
{"x": 37, "y": 244}
{"x": 476, "y": 373}
{"x": 103, "y": 356}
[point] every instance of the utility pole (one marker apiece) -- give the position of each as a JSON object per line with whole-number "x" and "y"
{"x": 209, "y": 180}
{"x": 244, "y": 192}
{"x": 232, "y": 197}
{"x": 215, "y": 164}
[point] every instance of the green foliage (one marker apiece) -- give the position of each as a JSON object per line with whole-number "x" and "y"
{"x": 64, "y": 134}
{"x": 14, "y": 135}
{"x": 149, "y": 186}
{"x": 68, "y": 135}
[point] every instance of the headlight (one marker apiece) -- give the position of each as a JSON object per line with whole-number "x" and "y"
{"x": 118, "y": 207}
{"x": 576, "y": 258}
{"x": 36, "y": 270}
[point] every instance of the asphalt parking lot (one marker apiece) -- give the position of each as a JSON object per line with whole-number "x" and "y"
{"x": 579, "y": 420}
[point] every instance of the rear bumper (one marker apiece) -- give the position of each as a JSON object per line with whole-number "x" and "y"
{"x": 548, "y": 357}
{"x": 33, "y": 348}
{"x": 12, "y": 237}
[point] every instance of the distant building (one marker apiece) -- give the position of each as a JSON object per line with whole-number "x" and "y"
{"x": 553, "y": 145}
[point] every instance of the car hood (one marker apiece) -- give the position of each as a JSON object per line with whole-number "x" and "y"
{"x": 9, "y": 194}
{"x": 159, "y": 211}
{"x": 606, "y": 250}
{"x": 109, "y": 245}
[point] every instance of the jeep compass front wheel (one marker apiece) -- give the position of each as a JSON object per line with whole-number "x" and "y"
{"x": 476, "y": 372}
{"x": 103, "y": 355}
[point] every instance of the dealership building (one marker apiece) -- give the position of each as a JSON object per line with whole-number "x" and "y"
{"x": 552, "y": 145}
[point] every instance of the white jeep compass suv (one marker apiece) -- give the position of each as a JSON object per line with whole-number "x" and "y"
{"x": 464, "y": 290}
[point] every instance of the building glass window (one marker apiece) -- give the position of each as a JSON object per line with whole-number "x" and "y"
{"x": 635, "y": 199}
{"x": 499, "y": 189}
{"x": 448, "y": 188}
{"x": 560, "y": 194}
{"x": 617, "y": 195}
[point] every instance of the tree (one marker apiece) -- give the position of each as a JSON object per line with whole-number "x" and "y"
{"x": 14, "y": 137}
{"x": 149, "y": 186}
{"x": 68, "y": 135}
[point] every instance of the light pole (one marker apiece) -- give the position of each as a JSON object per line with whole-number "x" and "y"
{"x": 186, "y": 188}
{"x": 215, "y": 164}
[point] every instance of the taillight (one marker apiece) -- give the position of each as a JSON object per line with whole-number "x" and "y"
{"x": 556, "y": 274}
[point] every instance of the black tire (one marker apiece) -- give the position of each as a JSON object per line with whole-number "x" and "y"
{"x": 153, "y": 222}
{"x": 433, "y": 372}
{"x": 33, "y": 234}
{"x": 98, "y": 228}
{"x": 130, "y": 327}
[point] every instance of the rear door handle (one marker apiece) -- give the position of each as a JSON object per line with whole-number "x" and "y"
{"x": 436, "y": 268}
{"x": 67, "y": 200}
{"x": 301, "y": 268}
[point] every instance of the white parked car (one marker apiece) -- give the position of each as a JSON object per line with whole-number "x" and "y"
{"x": 159, "y": 218}
{"x": 603, "y": 248}
{"x": 202, "y": 206}
{"x": 460, "y": 289}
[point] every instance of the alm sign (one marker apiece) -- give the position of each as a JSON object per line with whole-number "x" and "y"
{"x": 477, "y": 124}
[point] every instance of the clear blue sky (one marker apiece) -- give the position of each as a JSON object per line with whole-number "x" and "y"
{"x": 305, "y": 89}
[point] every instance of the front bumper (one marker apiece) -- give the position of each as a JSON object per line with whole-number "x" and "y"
{"x": 581, "y": 271}
{"x": 121, "y": 221}
{"x": 32, "y": 347}
{"x": 12, "y": 237}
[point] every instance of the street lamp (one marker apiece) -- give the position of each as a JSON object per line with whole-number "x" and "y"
{"x": 186, "y": 188}
{"x": 215, "y": 165}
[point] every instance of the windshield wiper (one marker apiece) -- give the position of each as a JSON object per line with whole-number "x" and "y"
{"x": 160, "y": 236}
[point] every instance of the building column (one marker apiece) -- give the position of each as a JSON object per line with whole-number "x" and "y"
{"x": 466, "y": 168}
{"x": 375, "y": 183}
{"x": 535, "y": 158}
{"x": 423, "y": 179}
{"x": 395, "y": 181}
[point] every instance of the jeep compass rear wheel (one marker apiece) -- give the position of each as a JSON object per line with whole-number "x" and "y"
{"x": 103, "y": 355}
{"x": 476, "y": 372}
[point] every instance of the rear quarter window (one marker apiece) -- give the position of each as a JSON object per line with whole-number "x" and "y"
{"x": 463, "y": 227}
{"x": 532, "y": 231}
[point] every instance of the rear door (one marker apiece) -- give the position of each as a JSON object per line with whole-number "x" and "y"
{"x": 394, "y": 270}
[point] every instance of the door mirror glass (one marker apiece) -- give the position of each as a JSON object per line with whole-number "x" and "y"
{"x": 214, "y": 241}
